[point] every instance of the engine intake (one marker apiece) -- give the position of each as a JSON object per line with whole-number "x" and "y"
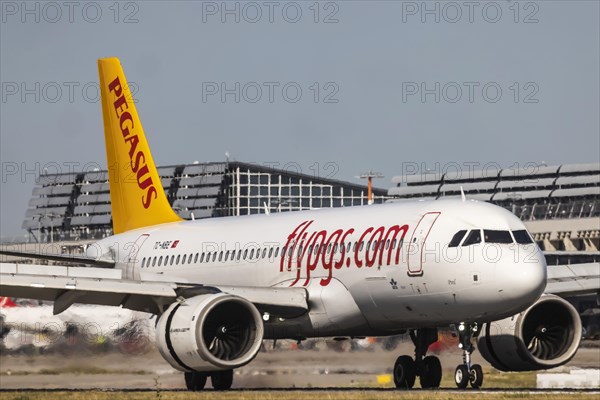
{"x": 209, "y": 333}
{"x": 546, "y": 335}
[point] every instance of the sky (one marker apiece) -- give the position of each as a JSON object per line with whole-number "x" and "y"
{"x": 333, "y": 88}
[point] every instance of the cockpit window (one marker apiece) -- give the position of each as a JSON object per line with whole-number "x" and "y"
{"x": 457, "y": 238}
{"x": 473, "y": 238}
{"x": 522, "y": 237}
{"x": 492, "y": 236}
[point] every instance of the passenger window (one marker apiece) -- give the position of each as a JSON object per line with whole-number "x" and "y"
{"x": 270, "y": 252}
{"x": 264, "y": 252}
{"x": 251, "y": 254}
{"x": 473, "y": 238}
{"x": 214, "y": 256}
{"x": 245, "y": 253}
{"x": 493, "y": 236}
{"x": 276, "y": 251}
{"x": 202, "y": 257}
{"x": 522, "y": 237}
{"x": 160, "y": 261}
{"x": 220, "y": 256}
{"x": 196, "y": 258}
{"x": 208, "y": 256}
{"x": 154, "y": 261}
{"x": 457, "y": 238}
{"x": 348, "y": 247}
{"x": 143, "y": 262}
{"x": 177, "y": 260}
{"x": 227, "y": 255}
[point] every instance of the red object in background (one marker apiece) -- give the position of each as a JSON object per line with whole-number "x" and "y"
{"x": 6, "y": 302}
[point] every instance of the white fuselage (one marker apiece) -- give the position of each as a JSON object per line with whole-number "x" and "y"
{"x": 370, "y": 270}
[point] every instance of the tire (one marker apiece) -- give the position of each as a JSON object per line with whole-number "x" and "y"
{"x": 476, "y": 376}
{"x": 195, "y": 381}
{"x": 222, "y": 380}
{"x": 404, "y": 373}
{"x": 430, "y": 375}
{"x": 461, "y": 376}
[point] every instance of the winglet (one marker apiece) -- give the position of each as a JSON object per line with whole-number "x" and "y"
{"x": 136, "y": 193}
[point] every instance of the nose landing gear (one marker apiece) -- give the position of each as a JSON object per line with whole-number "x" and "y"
{"x": 427, "y": 368}
{"x": 467, "y": 373}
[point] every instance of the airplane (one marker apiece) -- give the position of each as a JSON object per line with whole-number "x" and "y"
{"x": 220, "y": 286}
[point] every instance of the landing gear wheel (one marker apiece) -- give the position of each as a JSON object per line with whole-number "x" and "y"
{"x": 195, "y": 381}
{"x": 476, "y": 376}
{"x": 461, "y": 376}
{"x": 430, "y": 374}
{"x": 404, "y": 372}
{"x": 222, "y": 380}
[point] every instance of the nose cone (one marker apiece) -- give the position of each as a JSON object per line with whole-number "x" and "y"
{"x": 522, "y": 280}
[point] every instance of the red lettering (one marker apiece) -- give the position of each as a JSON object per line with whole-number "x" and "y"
{"x": 133, "y": 142}
{"x": 289, "y": 239}
{"x": 124, "y": 118}
{"x": 139, "y": 158}
{"x": 371, "y": 253}
{"x": 148, "y": 199}
{"x": 328, "y": 258}
{"x": 115, "y": 86}
{"x": 360, "y": 241}
{"x": 140, "y": 174}
{"x": 120, "y": 105}
{"x": 396, "y": 230}
{"x": 340, "y": 262}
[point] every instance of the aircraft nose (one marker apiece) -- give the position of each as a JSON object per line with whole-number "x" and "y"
{"x": 524, "y": 279}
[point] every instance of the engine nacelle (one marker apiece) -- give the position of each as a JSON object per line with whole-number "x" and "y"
{"x": 545, "y": 335}
{"x": 209, "y": 333}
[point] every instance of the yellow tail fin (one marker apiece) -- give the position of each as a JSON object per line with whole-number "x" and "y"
{"x": 136, "y": 193}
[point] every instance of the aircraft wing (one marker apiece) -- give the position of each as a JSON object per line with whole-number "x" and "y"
{"x": 574, "y": 279}
{"x": 68, "y": 285}
{"x": 70, "y": 258}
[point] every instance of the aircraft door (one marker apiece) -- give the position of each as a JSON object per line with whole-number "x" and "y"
{"x": 130, "y": 271}
{"x": 416, "y": 246}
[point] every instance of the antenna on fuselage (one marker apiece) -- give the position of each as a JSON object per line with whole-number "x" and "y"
{"x": 462, "y": 194}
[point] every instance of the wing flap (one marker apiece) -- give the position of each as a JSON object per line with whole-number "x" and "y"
{"x": 67, "y": 258}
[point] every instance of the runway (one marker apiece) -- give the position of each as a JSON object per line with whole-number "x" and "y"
{"x": 302, "y": 372}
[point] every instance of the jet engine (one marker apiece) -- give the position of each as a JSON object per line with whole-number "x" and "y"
{"x": 545, "y": 335}
{"x": 210, "y": 332}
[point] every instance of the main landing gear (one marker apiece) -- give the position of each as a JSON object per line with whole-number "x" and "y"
{"x": 467, "y": 373}
{"x": 221, "y": 380}
{"x": 427, "y": 368}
